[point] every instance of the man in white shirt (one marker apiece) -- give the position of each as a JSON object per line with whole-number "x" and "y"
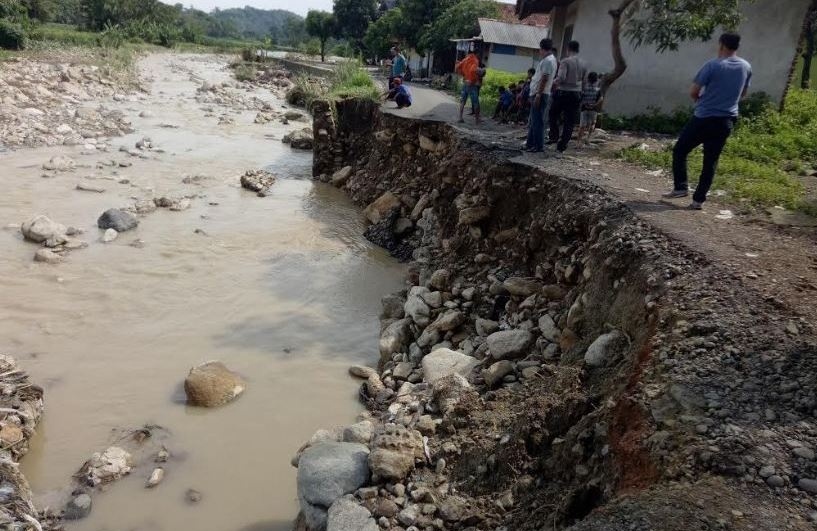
{"x": 540, "y": 87}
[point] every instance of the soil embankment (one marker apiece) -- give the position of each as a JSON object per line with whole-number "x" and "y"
{"x": 556, "y": 362}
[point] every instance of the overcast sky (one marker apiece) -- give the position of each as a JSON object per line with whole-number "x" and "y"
{"x": 298, "y": 6}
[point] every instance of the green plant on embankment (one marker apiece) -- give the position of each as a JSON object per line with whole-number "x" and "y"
{"x": 350, "y": 80}
{"x": 763, "y": 156}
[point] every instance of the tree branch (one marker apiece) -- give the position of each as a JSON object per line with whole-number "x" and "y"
{"x": 619, "y": 62}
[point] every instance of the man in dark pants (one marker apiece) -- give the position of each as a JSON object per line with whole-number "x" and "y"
{"x": 717, "y": 91}
{"x": 568, "y": 97}
{"x": 540, "y": 85}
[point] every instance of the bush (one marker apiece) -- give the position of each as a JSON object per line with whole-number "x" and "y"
{"x": 494, "y": 79}
{"x": 350, "y": 80}
{"x": 244, "y": 72}
{"x": 13, "y": 35}
{"x": 63, "y": 33}
{"x": 312, "y": 47}
{"x": 113, "y": 37}
{"x": 653, "y": 121}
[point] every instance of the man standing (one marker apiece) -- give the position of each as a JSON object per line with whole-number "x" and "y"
{"x": 398, "y": 65}
{"x": 540, "y": 86}
{"x": 717, "y": 91}
{"x": 568, "y": 97}
{"x": 468, "y": 68}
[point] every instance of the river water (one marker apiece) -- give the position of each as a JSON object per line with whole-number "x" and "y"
{"x": 283, "y": 290}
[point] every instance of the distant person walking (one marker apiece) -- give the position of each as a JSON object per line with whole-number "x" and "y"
{"x": 539, "y": 97}
{"x": 717, "y": 91}
{"x": 468, "y": 68}
{"x": 568, "y": 98}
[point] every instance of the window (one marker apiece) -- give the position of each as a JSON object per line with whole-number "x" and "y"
{"x": 504, "y": 49}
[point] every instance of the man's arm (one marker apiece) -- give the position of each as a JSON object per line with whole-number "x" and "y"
{"x": 695, "y": 92}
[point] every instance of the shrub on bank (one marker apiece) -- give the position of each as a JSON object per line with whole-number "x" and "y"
{"x": 13, "y": 35}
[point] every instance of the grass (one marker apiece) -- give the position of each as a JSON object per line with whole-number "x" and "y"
{"x": 762, "y": 158}
{"x": 350, "y": 80}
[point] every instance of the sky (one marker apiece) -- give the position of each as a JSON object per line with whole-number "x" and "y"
{"x": 297, "y": 6}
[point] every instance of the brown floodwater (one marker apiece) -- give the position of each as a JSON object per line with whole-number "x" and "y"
{"x": 283, "y": 290}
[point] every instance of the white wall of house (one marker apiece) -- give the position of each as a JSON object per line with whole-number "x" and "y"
{"x": 771, "y": 31}
{"x": 517, "y": 63}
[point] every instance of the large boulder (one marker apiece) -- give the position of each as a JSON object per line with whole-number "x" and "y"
{"x": 301, "y": 139}
{"x": 448, "y": 321}
{"x": 522, "y": 287}
{"x": 394, "y": 451}
{"x": 509, "y": 344}
{"x": 380, "y": 209}
{"x": 326, "y": 472}
{"x": 549, "y": 329}
{"x": 105, "y": 467}
{"x": 212, "y": 384}
{"x": 445, "y": 362}
{"x": 117, "y": 219}
{"x": 40, "y": 229}
{"x": 346, "y": 514}
{"x": 416, "y": 308}
{"x": 340, "y": 177}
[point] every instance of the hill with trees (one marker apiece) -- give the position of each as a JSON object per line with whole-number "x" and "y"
{"x": 283, "y": 27}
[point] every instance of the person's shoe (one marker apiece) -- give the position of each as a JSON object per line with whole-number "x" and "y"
{"x": 535, "y": 150}
{"x": 675, "y": 194}
{"x": 551, "y": 142}
{"x": 695, "y": 206}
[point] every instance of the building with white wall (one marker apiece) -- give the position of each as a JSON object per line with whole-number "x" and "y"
{"x": 510, "y": 47}
{"x": 771, "y": 33}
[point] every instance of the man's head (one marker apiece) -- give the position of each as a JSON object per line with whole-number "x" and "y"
{"x": 729, "y": 43}
{"x": 573, "y": 47}
{"x": 502, "y": 89}
{"x": 545, "y": 45}
{"x": 531, "y": 73}
{"x": 398, "y": 81}
{"x": 593, "y": 77}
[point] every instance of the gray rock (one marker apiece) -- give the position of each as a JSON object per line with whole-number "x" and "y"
{"x": 432, "y": 298}
{"x": 402, "y": 226}
{"x": 381, "y": 207}
{"x": 449, "y": 320}
{"x": 509, "y": 344}
{"x": 326, "y": 472}
{"x": 416, "y": 308}
{"x": 347, "y": 515}
{"x": 402, "y": 370}
{"x": 78, "y": 507}
{"x": 549, "y": 329}
{"x": 472, "y": 215}
{"x": 804, "y": 453}
{"x": 775, "y": 481}
{"x": 440, "y": 280}
{"x": 395, "y": 338}
{"x": 40, "y": 229}
{"x": 392, "y": 307}
{"x": 408, "y": 515}
{"x": 118, "y": 220}
{"x": 46, "y": 256}
{"x": 394, "y": 450}
{"x": 601, "y": 351}
{"x": 522, "y": 287}
{"x": 444, "y": 362}
{"x": 809, "y": 485}
{"x": 340, "y": 177}
{"x": 494, "y": 374}
{"x": 486, "y": 327}
{"x": 109, "y": 236}
{"x": 361, "y": 432}
{"x": 453, "y": 509}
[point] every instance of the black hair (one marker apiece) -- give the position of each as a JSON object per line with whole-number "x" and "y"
{"x": 573, "y": 46}
{"x": 502, "y": 89}
{"x": 531, "y": 71}
{"x": 546, "y": 44}
{"x": 730, "y": 41}
{"x": 592, "y": 77}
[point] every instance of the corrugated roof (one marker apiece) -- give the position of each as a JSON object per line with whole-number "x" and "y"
{"x": 498, "y": 32}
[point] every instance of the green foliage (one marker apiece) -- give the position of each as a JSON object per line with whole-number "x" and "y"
{"x": 494, "y": 79}
{"x": 667, "y": 23}
{"x": 245, "y": 72}
{"x": 350, "y": 80}
{"x": 112, "y": 37}
{"x": 248, "y": 22}
{"x": 65, "y": 34}
{"x": 312, "y": 47}
{"x": 13, "y": 35}
{"x": 758, "y": 157}
{"x": 68, "y": 12}
{"x": 353, "y": 18}
{"x": 418, "y": 15}
{"x": 321, "y": 25}
{"x": 458, "y": 21}
{"x": 381, "y": 34}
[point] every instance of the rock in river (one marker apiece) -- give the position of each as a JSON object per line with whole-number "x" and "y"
{"x": 78, "y": 507}
{"x": 106, "y": 467}
{"x": 40, "y": 228}
{"x": 212, "y": 384}
{"x": 326, "y": 472}
{"x": 118, "y": 220}
{"x": 47, "y": 256}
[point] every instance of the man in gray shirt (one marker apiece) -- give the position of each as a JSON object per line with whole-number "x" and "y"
{"x": 568, "y": 97}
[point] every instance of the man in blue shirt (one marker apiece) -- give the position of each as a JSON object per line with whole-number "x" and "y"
{"x": 717, "y": 91}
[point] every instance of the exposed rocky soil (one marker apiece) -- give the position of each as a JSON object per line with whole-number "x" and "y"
{"x": 556, "y": 362}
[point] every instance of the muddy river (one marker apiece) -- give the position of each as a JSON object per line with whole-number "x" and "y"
{"x": 283, "y": 290}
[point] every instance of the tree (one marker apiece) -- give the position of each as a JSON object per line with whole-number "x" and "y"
{"x": 809, "y": 50}
{"x": 42, "y": 10}
{"x": 383, "y": 32}
{"x": 418, "y": 15}
{"x": 353, "y": 18}
{"x": 458, "y": 21}
{"x": 321, "y": 24}
{"x": 665, "y": 24}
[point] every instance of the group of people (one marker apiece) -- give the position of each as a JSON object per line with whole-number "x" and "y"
{"x": 399, "y": 92}
{"x": 557, "y": 94}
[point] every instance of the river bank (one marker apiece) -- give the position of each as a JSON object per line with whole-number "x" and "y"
{"x": 558, "y": 362}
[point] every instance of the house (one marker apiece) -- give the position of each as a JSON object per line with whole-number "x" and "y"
{"x": 510, "y": 47}
{"x": 771, "y": 34}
